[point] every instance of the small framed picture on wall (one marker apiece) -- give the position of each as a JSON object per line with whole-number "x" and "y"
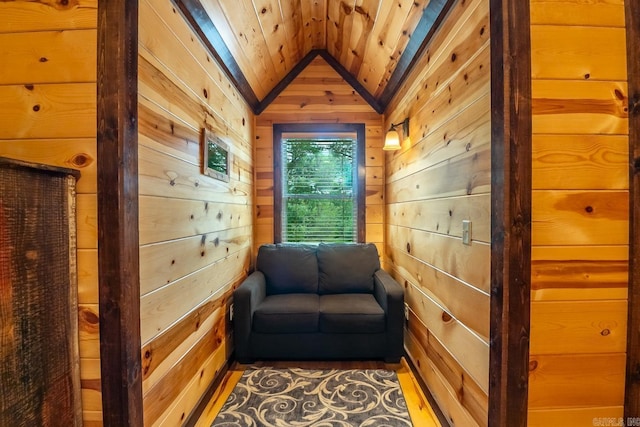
{"x": 215, "y": 156}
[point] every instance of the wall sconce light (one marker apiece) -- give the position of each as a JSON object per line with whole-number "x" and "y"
{"x": 392, "y": 139}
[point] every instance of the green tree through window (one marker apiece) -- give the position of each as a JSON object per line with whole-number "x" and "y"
{"x": 319, "y": 197}
{"x": 319, "y": 182}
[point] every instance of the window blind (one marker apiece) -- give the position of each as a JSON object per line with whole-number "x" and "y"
{"x": 319, "y": 190}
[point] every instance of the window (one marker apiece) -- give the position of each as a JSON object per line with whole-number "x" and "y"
{"x": 319, "y": 183}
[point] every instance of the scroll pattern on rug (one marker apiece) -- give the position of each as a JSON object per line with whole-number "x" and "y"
{"x": 266, "y": 397}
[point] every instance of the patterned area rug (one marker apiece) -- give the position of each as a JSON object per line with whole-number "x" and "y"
{"x": 268, "y": 397}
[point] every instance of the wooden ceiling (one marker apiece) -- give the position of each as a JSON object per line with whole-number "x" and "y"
{"x": 264, "y": 44}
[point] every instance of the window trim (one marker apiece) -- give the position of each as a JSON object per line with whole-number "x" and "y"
{"x": 311, "y": 128}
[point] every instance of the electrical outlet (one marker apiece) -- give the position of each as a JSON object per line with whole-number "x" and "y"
{"x": 466, "y": 232}
{"x": 231, "y": 313}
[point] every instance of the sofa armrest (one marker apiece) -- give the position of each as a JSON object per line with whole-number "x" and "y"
{"x": 390, "y": 296}
{"x": 245, "y": 300}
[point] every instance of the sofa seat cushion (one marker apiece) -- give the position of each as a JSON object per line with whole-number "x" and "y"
{"x": 288, "y": 313}
{"x": 351, "y": 314}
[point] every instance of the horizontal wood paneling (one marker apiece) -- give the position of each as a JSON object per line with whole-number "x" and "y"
{"x": 451, "y": 400}
{"x": 173, "y": 383}
{"x": 170, "y": 260}
{"x": 48, "y": 116}
{"x": 580, "y": 162}
{"x": 47, "y": 15}
{"x": 159, "y": 309}
{"x": 48, "y": 56}
{"x": 74, "y": 153}
{"x": 319, "y": 95}
{"x": 441, "y": 176}
{"x": 579, "y": 107}
{"x": 566, "y": 273}
{"x": 579, "y": 327}
{"x": 196, "y": 233}
{"x": 444, "y": 216}
{"x": 450, "y": 293}
{"x": 197, "y": 386}
{"x": 467, "y": 263}
{"x": 469, "y": 350}
{"x": 60, "y": 110}
{"x": 572, "y": 416}
{"x": 602, "y": 13}
{"x": 461, "y": 134}
{"x": 580, "y": 230}
{"x": 576, "y": 380}
{"x": 578, "y": 52}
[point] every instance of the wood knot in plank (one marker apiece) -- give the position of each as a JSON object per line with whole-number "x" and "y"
{"x": 81, "y": 160}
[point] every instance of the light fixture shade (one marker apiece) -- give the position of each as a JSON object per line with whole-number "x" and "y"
{"x": 392, "y": 140}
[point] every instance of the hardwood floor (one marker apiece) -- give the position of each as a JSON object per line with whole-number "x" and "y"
{"x": 422, "y": 415}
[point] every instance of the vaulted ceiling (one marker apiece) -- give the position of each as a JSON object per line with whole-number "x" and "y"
{"x": 264, "y": 44}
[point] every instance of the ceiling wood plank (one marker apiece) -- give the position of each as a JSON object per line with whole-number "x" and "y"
{"x": 336, "y": 14}
{"x": 228, "y": 34}
{"x": 293, "y": 23}
{"x": 380, "y": 50}
{"x": 305, "y": 8}
{"x": 368, "y": 13}
{"x": 318, "y": 27}
{"x": 363, "y": 15}
{"x": 411, "y": 22}
{"x": 432, "y": 17}
{"x": 242, "y": 16}
{"x": 202, "y": 25}
{"x": 273, "y": 32}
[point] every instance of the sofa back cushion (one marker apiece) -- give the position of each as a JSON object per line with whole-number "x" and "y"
{"x": 288, "y": 268}
{"x": 347, "y": 267}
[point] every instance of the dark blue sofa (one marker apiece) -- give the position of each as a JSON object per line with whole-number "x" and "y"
{"x": 330, "y": 301}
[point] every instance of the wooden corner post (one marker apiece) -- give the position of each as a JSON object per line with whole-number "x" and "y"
{"x": 632, "y": 383}
{"x": 118, "y": 265}
{"x": 511, "y": 132}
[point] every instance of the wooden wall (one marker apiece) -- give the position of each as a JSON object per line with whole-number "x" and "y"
{"x": 580, "y": 212}
{"x": 440, "y": 177}
{"x": 319, "y": 95}
{"x": 48, "y": 115}
{"x": 195, "y": 231}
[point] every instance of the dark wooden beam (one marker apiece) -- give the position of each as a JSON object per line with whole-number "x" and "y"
{"x": 201, "y": 23}
{"x": 510, "y": 212}
{"x": 632, "y": 383}
{"x": 119, "y": 283}
{"x": 353, "y": 81}
{"x": 432, "y": 16}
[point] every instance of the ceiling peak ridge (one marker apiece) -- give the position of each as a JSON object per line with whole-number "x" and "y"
{"x": 433, "y": 15}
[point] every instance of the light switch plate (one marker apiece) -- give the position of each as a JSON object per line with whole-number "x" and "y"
{"x": 466, "y": 231}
